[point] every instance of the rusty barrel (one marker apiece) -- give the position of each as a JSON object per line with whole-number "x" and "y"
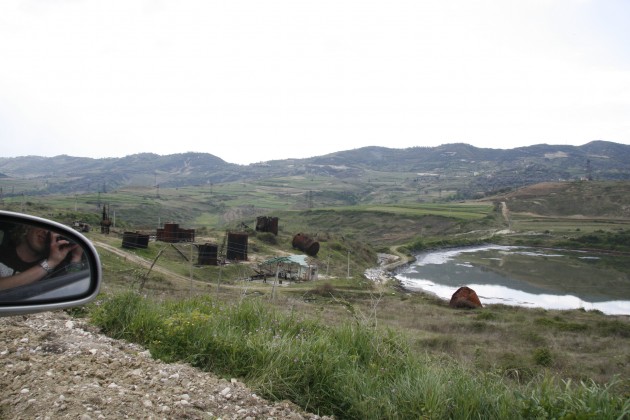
{"x": 306, "y": 244}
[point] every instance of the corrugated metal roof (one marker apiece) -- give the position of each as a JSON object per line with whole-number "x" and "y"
{"x": 290, "y": 259}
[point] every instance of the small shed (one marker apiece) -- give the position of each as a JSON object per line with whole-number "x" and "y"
{"x": 290, "y": 267}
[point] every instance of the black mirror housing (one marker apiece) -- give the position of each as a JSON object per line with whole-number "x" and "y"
{"x": 55, "y": 268}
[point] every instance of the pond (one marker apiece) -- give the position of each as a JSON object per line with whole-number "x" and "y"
{"x": 522, "y": 276}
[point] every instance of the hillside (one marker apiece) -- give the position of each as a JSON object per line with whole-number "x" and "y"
{"x": 512, "y": 348}
{"x": 447, "y": 171}
{"x": 605, "y": 200}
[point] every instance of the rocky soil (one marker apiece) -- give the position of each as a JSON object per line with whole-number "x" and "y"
{"x": 55, "y": 366}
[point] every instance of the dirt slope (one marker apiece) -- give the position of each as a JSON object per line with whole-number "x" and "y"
{"x": 55, "y": 366}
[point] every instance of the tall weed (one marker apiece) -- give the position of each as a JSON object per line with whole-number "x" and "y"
{"x": 352, "y": 370}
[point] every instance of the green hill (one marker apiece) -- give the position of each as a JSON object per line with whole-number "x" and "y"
{"x": 371, "y": 173}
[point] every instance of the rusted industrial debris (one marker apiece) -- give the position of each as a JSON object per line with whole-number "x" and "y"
{"x": 172, "y": 233}
{"x": 234, "y": 248}
{"x": 267, "y": 224}
{"x": 466, "y": 298}
{"x": 306, "y": 244}
{"x": 80, "y": 226}
{"x": 135, "y": 240}
{"x": 208, "y": 254}
{"x": 106, "y": 222}
{"x": 291, "y": 267}
{"x": 237, "y": 246}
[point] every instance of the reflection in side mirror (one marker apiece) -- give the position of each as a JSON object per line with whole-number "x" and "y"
{"x": 44, "y": 265}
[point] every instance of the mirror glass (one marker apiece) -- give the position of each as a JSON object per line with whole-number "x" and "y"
{"x": 42, "y": 262}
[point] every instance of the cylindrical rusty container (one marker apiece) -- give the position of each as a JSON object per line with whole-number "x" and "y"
{"x": 306, "y": 244}
{"x": 170, "y": 232}
{"x": 208, "y": 254}
{"x": 237, "y": 246}
{"x": 135, "y": 240}
{"x": 267, "y": 224}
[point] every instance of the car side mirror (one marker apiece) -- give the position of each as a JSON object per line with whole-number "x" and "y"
{"x": 44, "y": 265}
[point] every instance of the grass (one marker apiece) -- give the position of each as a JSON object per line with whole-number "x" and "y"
{"x": 350, "y": 369}
{"x": 463, "y": 212}
{"x": 510, "y": 354}
{"x": 582, "y": 341}
{"x": 500, "y": 362}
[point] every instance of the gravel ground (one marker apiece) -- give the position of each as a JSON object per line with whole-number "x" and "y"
{"x": 55, "y": 366}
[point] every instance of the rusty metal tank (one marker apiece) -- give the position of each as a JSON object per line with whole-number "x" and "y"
{"x": 306, "y": 244}
{"x": 135, "y": 240}
{"x": 237, "y": 246}
{"x": 208, "y": 254}
{"x": 267, "y": 224}
{"x": 173, "y": 233}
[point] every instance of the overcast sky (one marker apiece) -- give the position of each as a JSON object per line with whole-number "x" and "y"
{"x": 255, "y": 80}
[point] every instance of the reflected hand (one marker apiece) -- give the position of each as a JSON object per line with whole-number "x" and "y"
{"x": 60, "y": 248}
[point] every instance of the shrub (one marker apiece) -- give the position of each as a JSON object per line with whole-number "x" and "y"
{"x": 542, "y": 357}
{"x": 515, "y": 367}
{"x": 325, "y": 290}
{"x": 336, "y": 246}
{"x": 439, "y": 342}
{"x": 268, "y": 238}
{"x": 486, "y": 315}
{"x": 560, "y": 324}
{"x": 614, "y": 327}
{"x": 416, "y": 245}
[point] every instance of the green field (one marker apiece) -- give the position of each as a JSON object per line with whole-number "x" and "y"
{"x": 513, "y": 361}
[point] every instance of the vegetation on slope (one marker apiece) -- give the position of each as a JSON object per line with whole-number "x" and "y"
{"x": 349, "y": 369}
{"x": 519, "y": 363}
{"x": 371, "y": 174}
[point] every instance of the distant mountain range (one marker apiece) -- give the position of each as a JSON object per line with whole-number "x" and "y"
{"x": 477, "y": 170}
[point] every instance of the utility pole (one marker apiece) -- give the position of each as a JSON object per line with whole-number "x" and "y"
{"x": 191, "y": 268}
{"x": 327, "y": 264}
{"x": 146, "y": 276}
{"x": 275, "y": 281}
{"x": 348, "y": 263}
{"x": 219, "y": 277}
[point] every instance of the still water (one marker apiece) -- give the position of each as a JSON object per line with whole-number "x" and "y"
{"x": 530, "y": 277}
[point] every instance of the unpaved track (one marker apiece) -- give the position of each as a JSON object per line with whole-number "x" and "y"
{"x": 140, "y": 261}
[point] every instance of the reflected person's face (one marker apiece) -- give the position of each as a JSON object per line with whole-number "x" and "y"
{"x": 37, "y": 240}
